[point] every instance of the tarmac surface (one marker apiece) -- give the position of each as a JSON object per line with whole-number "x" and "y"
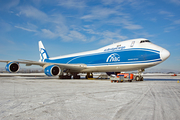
{"x": 43, "y": 98}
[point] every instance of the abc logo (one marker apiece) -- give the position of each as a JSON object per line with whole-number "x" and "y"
{"x": 113, "y": 58}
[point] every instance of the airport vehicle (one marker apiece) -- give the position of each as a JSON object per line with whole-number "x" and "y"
{"x": 122, "y": 77}
{"x": 135, "y": 54}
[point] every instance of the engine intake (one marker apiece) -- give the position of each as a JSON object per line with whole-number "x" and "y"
{"x": 12, "y": 67}
{"x": 52, "y": 70}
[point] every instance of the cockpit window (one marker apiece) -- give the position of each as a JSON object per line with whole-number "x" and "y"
{"x": 142, "y": 41}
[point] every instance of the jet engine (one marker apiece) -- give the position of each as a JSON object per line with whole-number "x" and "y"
{"x": 52, "y": 70}
{"x": 12, "y": 67}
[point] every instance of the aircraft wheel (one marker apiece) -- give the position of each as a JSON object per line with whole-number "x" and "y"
{"x": 137, "y": 78}
{"x": 68, "y": 77}
{"x": 76, "y": 77}
{"x": 61, "y": 77}
{"x": 65, "y": 77}
{"x": 141, "y": 79}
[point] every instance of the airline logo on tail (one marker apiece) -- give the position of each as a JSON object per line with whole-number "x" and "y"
{"x": 43, "y": 52}
{"x": 43, "y": 55}
{"x": 113, "y": 58}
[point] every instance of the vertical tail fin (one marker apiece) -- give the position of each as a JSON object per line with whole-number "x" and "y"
{"x": 43, "y": 52}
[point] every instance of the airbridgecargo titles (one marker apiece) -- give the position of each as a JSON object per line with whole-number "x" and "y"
{"x": 113, "y": 49}
{"x": 135, "y": 54}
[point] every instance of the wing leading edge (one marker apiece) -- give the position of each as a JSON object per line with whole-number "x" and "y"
{"x": 73, "y": 67}
{"x": 50, "y": 69}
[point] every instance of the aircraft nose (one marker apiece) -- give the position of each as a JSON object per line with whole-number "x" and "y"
{"x": 164, "y": 54}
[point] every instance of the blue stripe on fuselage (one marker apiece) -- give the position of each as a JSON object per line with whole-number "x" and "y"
{"x": 125, "y": 56}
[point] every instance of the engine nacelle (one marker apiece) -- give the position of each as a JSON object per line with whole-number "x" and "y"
{"x": 52, "y": 70}
{"x": 12, "y": 67}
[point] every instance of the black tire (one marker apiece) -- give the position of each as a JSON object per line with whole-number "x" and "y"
{"x": 76, "y": 77}
{"x": 89, "y": 76}
{"x": 61, "y": 77}
{"x": 65, "y": 77}
{"x": 68, "y": 77}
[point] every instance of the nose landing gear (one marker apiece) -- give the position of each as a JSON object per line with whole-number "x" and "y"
{"x": 139, "y": 77}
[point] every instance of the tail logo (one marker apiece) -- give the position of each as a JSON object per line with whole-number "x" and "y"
{"x": 113, "y": 58}
{"x": 43, "y": 55}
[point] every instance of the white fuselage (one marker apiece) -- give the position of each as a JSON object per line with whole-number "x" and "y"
{"x": 122, "y": 56}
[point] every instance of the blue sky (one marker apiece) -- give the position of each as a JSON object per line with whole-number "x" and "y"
{"x": 70, "y": 26}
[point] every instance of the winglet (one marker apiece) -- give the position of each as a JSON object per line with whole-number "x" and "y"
{"x": 43, "y": 52}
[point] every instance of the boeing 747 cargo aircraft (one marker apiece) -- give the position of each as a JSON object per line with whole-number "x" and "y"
{"x": 135, "y": 54}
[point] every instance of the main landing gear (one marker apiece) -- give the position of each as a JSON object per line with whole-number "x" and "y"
{"x": 63, "y": 76}
{"x": 67, "y": 75}
{"x": 75, "y": 76}
{"x": 139, "y": 77}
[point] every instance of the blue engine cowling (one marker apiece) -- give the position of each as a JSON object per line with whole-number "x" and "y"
{"x": 12, "y": 67}
{"x": 52, "y": 70}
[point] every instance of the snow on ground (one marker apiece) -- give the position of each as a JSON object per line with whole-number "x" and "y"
{"x": 43, "y": 98}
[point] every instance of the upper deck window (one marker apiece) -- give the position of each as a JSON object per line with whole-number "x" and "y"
{"x": 143, "y": 41}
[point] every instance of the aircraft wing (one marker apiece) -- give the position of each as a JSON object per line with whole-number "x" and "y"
{"x": 74, "y": 67}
